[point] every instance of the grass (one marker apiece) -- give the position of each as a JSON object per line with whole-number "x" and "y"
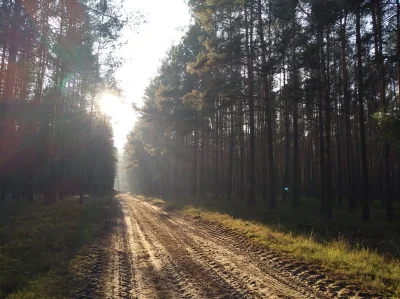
{"x": 364, "y": 253}
{"x": 39, "y": 243}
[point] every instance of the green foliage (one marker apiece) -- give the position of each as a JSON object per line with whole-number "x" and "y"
{"x": 194, "y": 100}
{"x": 206, "y": 63}
{"x": 388, "y": 127}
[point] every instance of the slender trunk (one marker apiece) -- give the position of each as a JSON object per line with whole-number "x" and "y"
{"x": 295, "y": 203}
{"x": 6, "y": 118}
{"x": 338, "y": 130}
{"x": 241, "y": 154}
{"x": 398, "y": 49}
{"x": 363, "y": 149}
{"x": 176, "y": 174}
{"x": 13, "y": 51}
{"x": 2, "y": 68}
{"x": 377, "y": 11}
{"x": 329, "y": 187}
{"x": 202, "y": 159}
{"x": 346, "y": 109}
{"x": 251, "y": 199}
{"x": 321, "y": 137}
{"x": 231, "y": 153}
{"x": 216, "y": 174}
{"x": 195, "y": 146}
{"x": 271, "y": 179}
{"x": 287, "y": 141}
{"x": 295, "y": 199}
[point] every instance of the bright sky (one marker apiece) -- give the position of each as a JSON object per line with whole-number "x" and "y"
{"x": 145, "y": 49}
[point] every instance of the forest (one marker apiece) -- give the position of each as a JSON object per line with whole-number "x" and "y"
{"x": 55, "y": 62}
{"x": 264, "y": 161}
{"x": 278, "y": 100}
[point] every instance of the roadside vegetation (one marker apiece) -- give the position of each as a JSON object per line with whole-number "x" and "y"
{"x": 365, "y": 253}
{"x": 40, "y": 246}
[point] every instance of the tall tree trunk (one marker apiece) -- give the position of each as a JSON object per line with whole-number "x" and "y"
{"x": 271, "y": 183}
{"x": 338, "y": 130}
{"x": 322, "y": 194}
{"x": 377, "y": 17}
{"x": 327, "y": 97}
{"x": 398, "y": 49}
{"x": 216, "y": 165}
{"x": 346, "y": 109}
{"x": 363, "y": 149}
{"x": 13, "y": 51}
{"x": 287, "y": 140}
{"x": 295, "y": 203}
{"x": 195, "y": 146}
{"x": 251, "y": 196}
{"x": 202, "y": 158}
{"x": 242, "y": 176}
{"x": 231, "y": 153}
{"x": 2, "y": 69}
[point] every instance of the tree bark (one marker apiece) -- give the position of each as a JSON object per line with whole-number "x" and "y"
{"x": 346, "y": 109}
{"x": 251, "y": 196}
{"x": 363, "y": 145}
{"x": 295, "y": 194}
{"x": 195, "y": 146}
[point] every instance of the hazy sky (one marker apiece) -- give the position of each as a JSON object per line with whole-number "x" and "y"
{"x": 145, "y": 49}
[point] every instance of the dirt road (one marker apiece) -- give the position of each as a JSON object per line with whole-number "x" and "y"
{"x": 155, "y": 254}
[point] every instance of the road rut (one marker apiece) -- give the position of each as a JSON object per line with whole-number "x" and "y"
{"x": 156, "y": 254}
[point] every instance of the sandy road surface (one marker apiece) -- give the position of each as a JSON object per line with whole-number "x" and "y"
{"x": 159, "y": 255}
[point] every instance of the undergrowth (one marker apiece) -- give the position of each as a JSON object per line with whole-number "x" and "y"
{"x": 38, "y": 243}
{"x": 360, "y": 252}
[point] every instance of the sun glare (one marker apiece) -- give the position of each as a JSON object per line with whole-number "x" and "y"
{"x": 110, "y": 105}
{"x": 122, "y": 116}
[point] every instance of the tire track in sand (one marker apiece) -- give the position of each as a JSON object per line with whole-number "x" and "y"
{"x": 175, "y": 257}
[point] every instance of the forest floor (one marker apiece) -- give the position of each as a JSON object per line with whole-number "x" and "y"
{"x": 158, "y": 252}
{"x": 49, "y": 251}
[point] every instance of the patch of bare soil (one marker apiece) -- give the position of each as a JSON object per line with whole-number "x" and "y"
{"x": 149, "y": 253}
{"x": 86, "y": 273}
{"x": 119, "y": 281}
